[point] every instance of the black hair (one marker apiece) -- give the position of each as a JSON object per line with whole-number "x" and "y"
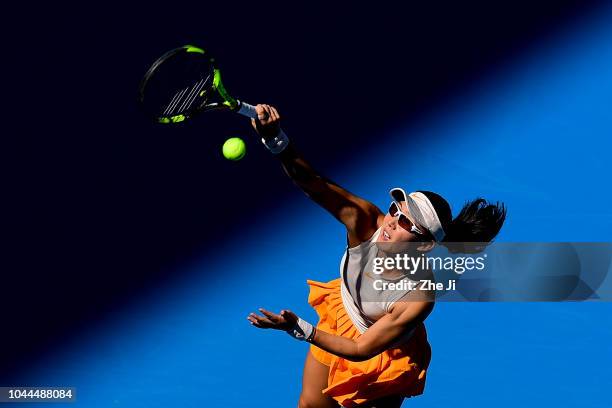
{"x": 478, "y": 221}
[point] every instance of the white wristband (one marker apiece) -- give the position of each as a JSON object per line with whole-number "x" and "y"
{"x": 302, "y": 330}
{"x": 278, "y": 143}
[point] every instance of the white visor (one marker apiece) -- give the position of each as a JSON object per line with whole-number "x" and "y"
{"x": 422, "y": 210}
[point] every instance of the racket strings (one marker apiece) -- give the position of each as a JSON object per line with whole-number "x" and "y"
{"x": 175, "y": 100}
{"x": 186, "y": 97}
{"x": 193, "y": 95}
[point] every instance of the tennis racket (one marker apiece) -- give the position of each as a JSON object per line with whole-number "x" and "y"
{"x": 184, "y": 82}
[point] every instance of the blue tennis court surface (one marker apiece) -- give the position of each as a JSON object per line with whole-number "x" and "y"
{"x": 536, "y": 136}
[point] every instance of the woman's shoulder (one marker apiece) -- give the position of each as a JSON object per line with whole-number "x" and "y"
{"x": 373, "y": 237}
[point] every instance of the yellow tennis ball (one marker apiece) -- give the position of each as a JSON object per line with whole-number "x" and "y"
{"x": 234, "y": 149}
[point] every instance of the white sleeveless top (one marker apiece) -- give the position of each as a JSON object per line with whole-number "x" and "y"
{"x": 364, "y": 304}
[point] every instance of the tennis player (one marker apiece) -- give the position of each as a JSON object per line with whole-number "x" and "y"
{"x": 374, "y": 353}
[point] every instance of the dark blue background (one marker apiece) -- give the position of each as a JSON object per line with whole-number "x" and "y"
{"x": 124, "y": 237}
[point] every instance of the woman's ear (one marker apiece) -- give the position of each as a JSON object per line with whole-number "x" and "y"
{"x": 426, "y": 246}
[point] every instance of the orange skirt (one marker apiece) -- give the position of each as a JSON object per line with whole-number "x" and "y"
{"x": 396, "y": 371}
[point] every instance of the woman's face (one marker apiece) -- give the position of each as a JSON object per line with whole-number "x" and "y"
{"x": 392, "y": 231}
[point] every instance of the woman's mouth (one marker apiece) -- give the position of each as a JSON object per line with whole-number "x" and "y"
{"x": 386, "y": 236}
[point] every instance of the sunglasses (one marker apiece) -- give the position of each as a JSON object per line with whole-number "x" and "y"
{"x": 402, "y": 219}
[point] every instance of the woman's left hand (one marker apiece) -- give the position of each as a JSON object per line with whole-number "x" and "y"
{"x": 286, "y": 320}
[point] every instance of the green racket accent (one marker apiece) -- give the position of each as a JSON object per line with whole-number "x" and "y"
{"x": 172, "y": 119}
{"x": 191, "y": 48}
{"x": 218, "y": 85}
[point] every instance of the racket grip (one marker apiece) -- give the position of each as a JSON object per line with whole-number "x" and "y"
{"x": 247, "y": 110}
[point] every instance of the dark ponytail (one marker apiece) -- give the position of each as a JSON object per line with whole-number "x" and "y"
{"x": 478, "y": 222}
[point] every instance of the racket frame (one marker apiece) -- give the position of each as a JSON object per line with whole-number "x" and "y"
{"x": 227, "y": 101}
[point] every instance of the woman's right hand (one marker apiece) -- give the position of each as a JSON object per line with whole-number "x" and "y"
{"x": 267, "y": 124}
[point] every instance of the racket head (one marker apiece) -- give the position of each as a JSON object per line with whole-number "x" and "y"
{"x": 181, "y": 83}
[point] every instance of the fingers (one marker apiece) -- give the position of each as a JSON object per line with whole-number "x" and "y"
{"x": 267, "y": 114}
{"x": 263, "y": 113}
{"x": 274, "y": 114}
{"x": 254, "y": 322}
{"x": 269, "y": 320}
{"x": 273, "y": 317}
{"x": 260, "y": 321}
{"x": 289, "y": 316}
{"x": 288, "y": 313}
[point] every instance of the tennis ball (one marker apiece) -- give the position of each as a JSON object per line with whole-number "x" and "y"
{"x": 234, "y": 149}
